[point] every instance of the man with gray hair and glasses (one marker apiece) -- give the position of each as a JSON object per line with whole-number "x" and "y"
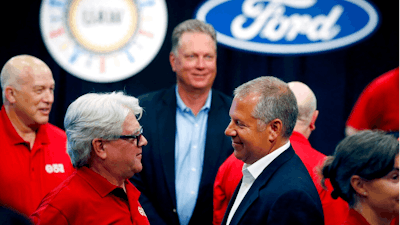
{"x": 104, "y": 141}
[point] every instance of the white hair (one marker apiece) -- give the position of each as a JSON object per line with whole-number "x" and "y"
{"x": 96, "y": 115}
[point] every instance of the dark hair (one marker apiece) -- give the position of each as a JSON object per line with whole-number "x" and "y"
{"x": 368, "y": 154}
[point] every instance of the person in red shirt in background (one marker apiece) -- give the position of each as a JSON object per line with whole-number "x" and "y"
{"x": 105, "y": 145}
{"x": 230, "y": 172}
{"x": 378, "y": 106}
{"x": 33, "y": 152}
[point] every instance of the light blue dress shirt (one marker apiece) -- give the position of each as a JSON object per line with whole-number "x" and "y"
{"x": 190, "y": 138}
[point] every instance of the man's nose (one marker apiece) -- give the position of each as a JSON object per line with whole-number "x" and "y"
{"x": 48, "y": 96}
{"x": 229, "y": 131}
{"x": 143, "y": 141}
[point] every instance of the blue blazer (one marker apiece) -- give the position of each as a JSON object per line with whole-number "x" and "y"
{"x": 157, "y": 179}
{"x": 284, "y": 193}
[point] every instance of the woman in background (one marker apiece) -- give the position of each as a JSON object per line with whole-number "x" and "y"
{"x": 364, "y": 171}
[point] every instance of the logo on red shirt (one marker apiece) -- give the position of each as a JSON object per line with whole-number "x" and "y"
{"x": 54, "y": 168}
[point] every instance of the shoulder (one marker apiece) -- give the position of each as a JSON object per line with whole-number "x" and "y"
{"x": 297, "y": 202}
{"x": 292, "y": 174}
{"x": 59, "y": 196}
{"x": 221, "y": 97}
{"x": 68, "y": 195}
{"x": 156, "y": 96}
{"x": 386, "y": 82}
{"x": 54, "y": 131}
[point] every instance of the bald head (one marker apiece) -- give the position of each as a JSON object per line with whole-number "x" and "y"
{"x": 16, "y": 70}
{"x": 306, "y": 100}
{"x": 307, "y": 104}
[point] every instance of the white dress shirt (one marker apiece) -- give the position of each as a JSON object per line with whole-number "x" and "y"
{"x": 250, "y": 174}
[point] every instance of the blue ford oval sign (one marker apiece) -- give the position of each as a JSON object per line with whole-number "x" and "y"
{"x": 289, "y": 26}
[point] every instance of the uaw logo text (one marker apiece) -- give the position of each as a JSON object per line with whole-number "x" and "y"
{"x": 103, "y": 40}
{"x": 289, "y": 26}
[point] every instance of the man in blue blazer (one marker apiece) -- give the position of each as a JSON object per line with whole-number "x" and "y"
{"x": 184, "y": 126}
{"x": 276, "y": 187}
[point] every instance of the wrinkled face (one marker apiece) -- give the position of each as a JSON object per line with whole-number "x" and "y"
{"x": 196, "y": 62}
{"x": 34, "y": 97}
{"x": 124, "y": 155}
{"x": 383, "y": 193}
{"x": 250, "y": 142}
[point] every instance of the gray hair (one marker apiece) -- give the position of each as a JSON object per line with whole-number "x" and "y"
{"x": 191, "y": 25}
{"x": 276, "y": 101}
{"x": 368, "y": 154}
{"x": 96, "y": 115}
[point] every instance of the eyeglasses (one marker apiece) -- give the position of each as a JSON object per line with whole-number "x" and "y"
{"x": 133, "y": 136}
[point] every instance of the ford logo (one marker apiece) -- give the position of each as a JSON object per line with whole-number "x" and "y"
{"x": 289, "y": 26}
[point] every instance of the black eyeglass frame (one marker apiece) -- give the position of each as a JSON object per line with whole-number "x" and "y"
{"x": 133, "y": 136}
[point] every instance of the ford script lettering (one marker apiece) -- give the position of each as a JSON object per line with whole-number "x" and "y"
{"x": 289, "y": 26}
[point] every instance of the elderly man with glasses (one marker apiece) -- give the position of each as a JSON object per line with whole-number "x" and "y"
{"x": 104, "y": 141}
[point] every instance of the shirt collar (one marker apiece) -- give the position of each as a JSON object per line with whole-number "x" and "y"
{"x": 13, "y": 135}
{"x": 100, "y": 184}
{"x": 256, "y": 168}
{"x": 181, "y": 105}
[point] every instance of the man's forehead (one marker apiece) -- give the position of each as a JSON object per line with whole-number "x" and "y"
{"x": 36, "y": 80}
{"x": 131, "y": 124}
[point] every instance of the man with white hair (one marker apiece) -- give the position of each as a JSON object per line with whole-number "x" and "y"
{"x": 33, "y": 157}
{"x": 105, "y": 145}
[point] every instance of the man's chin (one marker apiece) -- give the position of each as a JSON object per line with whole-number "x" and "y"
{"x": 237, "y": 155}
{"x": 42, "y": 122}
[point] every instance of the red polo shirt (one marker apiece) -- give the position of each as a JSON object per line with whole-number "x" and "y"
{"x": 355, "y": 218}
{"x": 88, "y": 198}
{"x": 378, "y": 105}
{"x": 27, "y": 175}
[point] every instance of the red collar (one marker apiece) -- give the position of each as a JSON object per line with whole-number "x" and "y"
{"x": 13, "y": 136}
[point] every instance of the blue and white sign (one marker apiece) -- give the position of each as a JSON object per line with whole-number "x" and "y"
{"x": 289, "y": 26}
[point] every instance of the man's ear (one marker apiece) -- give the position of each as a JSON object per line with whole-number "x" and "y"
{"x": 358, "y": 185}
{"x": 98, "y": 148}
{"x": 275, "y": 129}
{"x": 313, "y": 119}
{"x": 172, "y": 61}
{"x": 10, "y": 94}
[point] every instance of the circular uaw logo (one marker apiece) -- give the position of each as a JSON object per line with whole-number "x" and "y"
{"x": 103, "y": 40}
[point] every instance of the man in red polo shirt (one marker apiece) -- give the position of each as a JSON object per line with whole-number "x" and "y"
{"x": 33, "y": 155}
{"x": 105, "y": 145}
{"x": 230, "y": 172}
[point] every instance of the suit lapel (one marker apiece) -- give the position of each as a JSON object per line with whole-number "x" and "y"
{"x": 230, "y": 204}
{"x": 166, "y": 132}
{"x": 259, "y": 183}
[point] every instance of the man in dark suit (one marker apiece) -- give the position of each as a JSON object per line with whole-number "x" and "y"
{"x": 184, "y": 126}
{"x": 276, "y": 187}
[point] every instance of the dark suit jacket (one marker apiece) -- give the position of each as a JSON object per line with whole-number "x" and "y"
{"x": 157, "y": 179}
{"x": 283, "y": 194}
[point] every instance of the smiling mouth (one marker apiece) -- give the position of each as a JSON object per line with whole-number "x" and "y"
{"x": 45, "y": 110}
